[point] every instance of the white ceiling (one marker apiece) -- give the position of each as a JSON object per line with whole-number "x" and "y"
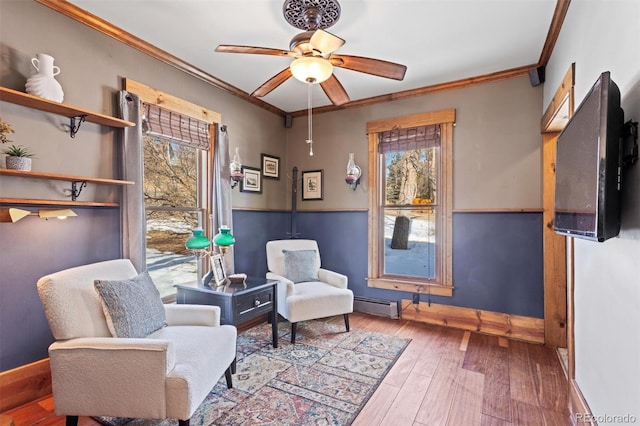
{"x": 438, "y": 40}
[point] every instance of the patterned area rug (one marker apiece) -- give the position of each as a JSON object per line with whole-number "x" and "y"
{"x": 324, "y": 379}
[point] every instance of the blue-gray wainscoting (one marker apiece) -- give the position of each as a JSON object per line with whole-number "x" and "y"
{"x": 497, "y": 257}
{"x": 35, "y": 247}
{"x": 497, "y": 262}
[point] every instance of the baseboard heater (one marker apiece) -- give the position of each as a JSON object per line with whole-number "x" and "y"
{"x": 383, "y": 308}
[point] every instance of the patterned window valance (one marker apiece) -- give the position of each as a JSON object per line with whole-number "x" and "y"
{"x": 174, "y": 126}
{"x": 409, "y": 139}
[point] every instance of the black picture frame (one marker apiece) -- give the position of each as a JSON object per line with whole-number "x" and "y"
{"x": 312, "y": 184}
{"x": 252, "y": 180}
{"x": 270, "y": 166}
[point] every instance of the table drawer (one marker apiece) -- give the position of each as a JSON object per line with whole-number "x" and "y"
{"x": 247, "y": 304}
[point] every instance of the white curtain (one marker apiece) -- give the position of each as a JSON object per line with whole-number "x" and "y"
{"x": 222, "y": 212}
{"x": 132, "y": 203}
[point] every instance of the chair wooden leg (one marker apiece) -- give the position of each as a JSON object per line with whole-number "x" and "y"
{"x": 293, "y": 332}
{"x": 72, "y": 421}
{"x": 346, "y": 321}
{"x": 227, "y": 375}
{"x": 184, "y": 422}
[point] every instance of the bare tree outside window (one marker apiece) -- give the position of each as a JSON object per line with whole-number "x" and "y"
{"x": 171, "y": 210}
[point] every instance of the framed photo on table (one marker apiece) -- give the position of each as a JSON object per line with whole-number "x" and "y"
{"x": 217, "y": 268}
{"x": 312, "y": 185}
{"x": 252, "y": 180}
{"x": 270, "y": 166}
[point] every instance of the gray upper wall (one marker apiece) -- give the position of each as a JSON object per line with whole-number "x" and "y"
{"x": 496, "y": 146}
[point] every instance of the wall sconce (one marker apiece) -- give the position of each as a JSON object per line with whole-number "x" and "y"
{"x": 353, "y": 173}
{"x": 13, "y": 215}
{"x": 199, "y": 244}
{"x": 235, "y": 167}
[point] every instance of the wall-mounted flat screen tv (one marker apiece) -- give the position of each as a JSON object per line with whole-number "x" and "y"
{"x": 588, "y": 166}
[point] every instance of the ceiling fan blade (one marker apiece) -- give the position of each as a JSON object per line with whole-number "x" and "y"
{"x": 272, "y": 83}
{"x": 325, "y": 42}
{"x": 230, "y": 48}
{"x": 371, "y": 66}
{"x": 334, "y": 90}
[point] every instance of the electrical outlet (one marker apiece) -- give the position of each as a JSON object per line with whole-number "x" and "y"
{"x": 416, "y": 298}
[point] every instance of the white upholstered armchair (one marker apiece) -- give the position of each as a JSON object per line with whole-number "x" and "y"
{"x": 305, "y": 290}
{"x": 164, "y": 374}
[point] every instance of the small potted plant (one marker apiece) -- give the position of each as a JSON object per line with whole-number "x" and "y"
{"x": 18, "y": 158}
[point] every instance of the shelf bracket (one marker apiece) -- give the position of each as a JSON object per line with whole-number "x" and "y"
{"x": 75, "y": 190}
{"x": 73, "y": 127}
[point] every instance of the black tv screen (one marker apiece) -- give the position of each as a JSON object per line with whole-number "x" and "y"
{"x": 588, "y": 166}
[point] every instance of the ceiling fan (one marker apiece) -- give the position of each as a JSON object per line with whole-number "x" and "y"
{"x": 313, "y": 52}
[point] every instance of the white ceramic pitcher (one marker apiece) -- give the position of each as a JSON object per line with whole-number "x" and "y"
{"x": 43, "y": 63}
{"x": 43, "y": 83}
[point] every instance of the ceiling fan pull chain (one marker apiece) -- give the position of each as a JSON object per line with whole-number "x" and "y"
{"x": 310, "y": 121}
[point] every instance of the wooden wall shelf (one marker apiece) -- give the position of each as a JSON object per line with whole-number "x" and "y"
{"x": 33, "y": 202}
{"x": 67, "y": 178}
{"x": 65, "y": 110}
{"x": 75, "y": 190}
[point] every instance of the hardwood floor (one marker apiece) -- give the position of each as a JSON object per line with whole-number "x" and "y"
{"x": 445, "y": 377}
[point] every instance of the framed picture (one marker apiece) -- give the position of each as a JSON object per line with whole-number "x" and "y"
{"x": 217, "y": 267}
{"x": 270, "y": 166}
{"x": 252, "y": 180}
{"x": 312, "y": 185}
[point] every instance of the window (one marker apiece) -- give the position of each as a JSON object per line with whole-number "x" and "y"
{"x": 176, "y": 173}
{"x": 410, "y": 213}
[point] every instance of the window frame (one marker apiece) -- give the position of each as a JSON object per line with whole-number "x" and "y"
{"x": 443, "y": 284}
{"x": 205, "y": 160}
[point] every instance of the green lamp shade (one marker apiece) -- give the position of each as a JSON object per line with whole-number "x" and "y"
{"x": 197, "y": 241}
{"x": 224, "y": 238}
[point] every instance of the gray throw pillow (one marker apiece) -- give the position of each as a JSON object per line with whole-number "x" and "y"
{"x": 133, "y": 307}
{"x": 301, "y": 265}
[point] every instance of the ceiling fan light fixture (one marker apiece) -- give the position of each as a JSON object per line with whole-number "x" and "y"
{"x": 311, "y": 69}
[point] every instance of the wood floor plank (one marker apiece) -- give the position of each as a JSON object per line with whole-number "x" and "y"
{"x": 493, "y": 421}
{"x": 522, "y": 379}
{"x": 406, "y": 363}
{"x": 466, "y": 408}
{"x": 465, "y": 340}
{"x": 436, "y": 404}
{"x": 531, "y": 415}
{"x": 406, "y": 404}
{"x": 377, "y": 407}
{"x": 486, "y": 356}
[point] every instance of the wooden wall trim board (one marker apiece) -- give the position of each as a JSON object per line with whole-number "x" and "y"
{"x": 560, "y": 12}
{"x": 154, "y": 96}
{"x": 561, "y": 106}
{"x": 578, "y": 407}
{"x": 556, "y": 287}
{"x": 24, "y": 384}
{"x": 421, "y": 91}
{"x": 495, "y": 323}
{"x": 554, "y": 245}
